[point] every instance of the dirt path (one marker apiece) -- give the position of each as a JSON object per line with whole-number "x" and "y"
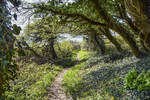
{"x": 56, "y": 92}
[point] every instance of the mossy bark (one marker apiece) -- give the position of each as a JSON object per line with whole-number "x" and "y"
{"x": 140, "y": 13}
{"x": 95, "y": 42}
{"x": 123, "y": 14}
{"x": 112, "y": 39}
{"x": 100, "y": 43}
{"x": 128, "y": 39}
{"x": 52, "y": 50}
{"x": 117, "y": 27}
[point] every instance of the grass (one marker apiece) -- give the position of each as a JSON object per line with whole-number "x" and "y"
{"x": 33, "y": 79}
{"x": 32, "y": 82}
{"x": 103, "y": 78}
{"x": 72, "y": 82}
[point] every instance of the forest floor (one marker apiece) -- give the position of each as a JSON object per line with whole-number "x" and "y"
{"x": 56, "y": 92}
{"x": 107, "y": 77}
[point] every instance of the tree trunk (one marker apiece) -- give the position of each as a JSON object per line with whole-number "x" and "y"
{"x": 132, "y": 26}
{"x": 107, "y": 33}
{"x": 128, "y": 39}
{"x": 52, "y": 50}
{"x": 100, "y": 43}
{"x": 24, "y": 43}
{"x": 95, "y": 42}
{"x": 143, "y": 46}
{"x": 117, "y": 27}
{"x": 123, "y": 14}
{"x": 140, "y": 13}
{"x": 91, "y": 43}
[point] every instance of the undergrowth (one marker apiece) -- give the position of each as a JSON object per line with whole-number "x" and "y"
{"x": 32, "y": 81}
{"x": 102, "y": 78}
{"x": 140, "y": 81}
{"x": 83, "y": 54}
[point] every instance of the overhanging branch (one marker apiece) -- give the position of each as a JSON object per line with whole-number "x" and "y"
{"x": 90, "y": 21}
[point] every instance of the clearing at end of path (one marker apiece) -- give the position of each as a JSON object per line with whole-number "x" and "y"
{"x": 56, "y": 92}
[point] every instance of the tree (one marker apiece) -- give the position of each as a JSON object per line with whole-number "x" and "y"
{"x": 45, "y": 31}
{"x": 7, "y": 40}
{"x": 96, "y": 13}
{"x": 108, "y": 34}
{"x": 95, "y": 41}
{"x": 117, "y": 27}
{"x": 139, "y": 11}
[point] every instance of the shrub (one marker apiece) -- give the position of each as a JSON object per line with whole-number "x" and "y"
{"x": 83, "y": 55}
{"x": 64, "y": 49}
{"x": 130, "y": 77}
{"x": 139, "y": 81}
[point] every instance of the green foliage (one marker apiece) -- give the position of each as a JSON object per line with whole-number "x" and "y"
{"x": 140, "y": 81}
{"x": 84, "y": 45}
{"x": 66, "y": 62}
{"x": 82, "y": 55}
{"x": 32, "y": 81}
{"x": 101, "y": 77}
{"x": 45, "y": 31}
{"x": 21, "y": 52}
{"x": 64, "y": 49}
{"x": 16, "y": 29}
{"x": 130, "y": 77}
{"x": 7, "y": 40}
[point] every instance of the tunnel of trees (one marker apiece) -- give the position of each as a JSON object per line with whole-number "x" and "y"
{"x": 96, "y": 20}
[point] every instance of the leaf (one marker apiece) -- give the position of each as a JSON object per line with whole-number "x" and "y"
{"x": 15, "y": 16}
{"x": 21, "y": 53}
{"x": 4, "y": 63}
{"x": 16, "y": 29}
{"x": 2, "y": 41}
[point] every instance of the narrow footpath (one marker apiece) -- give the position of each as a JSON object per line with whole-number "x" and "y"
{"x": 56, "y": 92}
